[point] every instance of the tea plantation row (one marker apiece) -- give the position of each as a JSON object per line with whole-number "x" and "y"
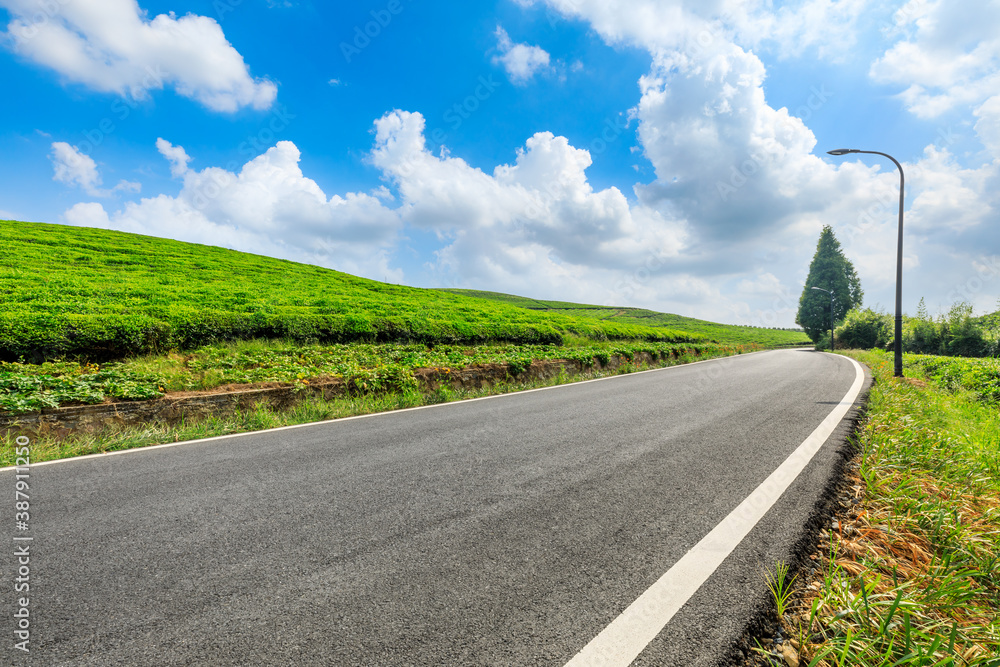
{"x": 100, "y": 295}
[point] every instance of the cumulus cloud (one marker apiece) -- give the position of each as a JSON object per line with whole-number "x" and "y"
{"x": 87, "y": 214}
{"x": 741, "y": 174}
{"x": 112, "y": 46}
{"x": 72, "y": 167}
{"x": 722, "y": 155}
{"x": 828, "y": 26}
{"x": 534, "y": 226}
{"x": 539, "y": 211}
{"x": 521, "y": 61}
{"x": 176, "y": 155}
{"x": 269, "y": 207}
{"x": 948, "y": 56}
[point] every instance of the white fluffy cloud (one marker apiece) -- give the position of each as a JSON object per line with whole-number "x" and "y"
{"x": 521, "y": 61}
{"x": 737, "y": 189}
{"x": 535, "y": 222}
{"x": 176, "y": 156}
{"x": 75, "y": 168}
{"x": 111, "y": 46}
{"x": 269, "y": 207}
{"x": 825, "y": 25}
{"x": 742, "y": 174}
{"x": 538, "y": 219}
{"x": 947, "y": 57}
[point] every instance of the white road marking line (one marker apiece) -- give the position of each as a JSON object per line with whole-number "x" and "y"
{"x": 624, "y": 639}
{"x": 149, "y": 448}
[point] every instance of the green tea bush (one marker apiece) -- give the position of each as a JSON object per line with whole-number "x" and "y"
{"x": 102, "y": 295}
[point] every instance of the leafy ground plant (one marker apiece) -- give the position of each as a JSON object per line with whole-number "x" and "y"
{"x": 910, "y": 574}
{"x": 368, "y": 368}
{"x": 390, "y": 395}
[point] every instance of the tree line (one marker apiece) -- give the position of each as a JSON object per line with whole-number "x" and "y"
{"x": 958, "y": 333}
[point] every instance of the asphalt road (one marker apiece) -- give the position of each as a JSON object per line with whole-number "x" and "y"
{"x": 506, "y": 531}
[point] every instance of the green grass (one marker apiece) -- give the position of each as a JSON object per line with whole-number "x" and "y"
{"x": 913, "y": 576}
{"x": 103, "y": 295}
{"x": 723, "y": 333}
{"x": 309, "y": 410}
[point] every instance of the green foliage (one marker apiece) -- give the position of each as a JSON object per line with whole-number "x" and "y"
{"x": 979, "y": 377}
{"x": 963, "y": 335}
{"x": 367, "y": 368}
{"x": 920, "y": 334}
{"x": 722, "y": 333}
{"x": 829, "y": 270}
{"x": 52, "y": 385}
{"x": 957, "y": 334}
{"x": 915, "y": 582}
{"x": 102, "y": 295}
{"x": 781, "y": 586}
{"x": 48, "y": 447}
{"x": 865, "y": 330}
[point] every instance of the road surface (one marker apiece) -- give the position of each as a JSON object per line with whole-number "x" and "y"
{"x": 506, "y": 531}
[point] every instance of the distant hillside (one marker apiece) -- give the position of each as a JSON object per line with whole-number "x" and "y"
{"x": 102, "y": 294}
{"x": 723, "y": 333}
{"x": 991, "y": 321}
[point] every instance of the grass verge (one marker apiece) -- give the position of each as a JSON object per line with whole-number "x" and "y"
{"x": 311, "y": 409}
{"x": 909, "y": 572}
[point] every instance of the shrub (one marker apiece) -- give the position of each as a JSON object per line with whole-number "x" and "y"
{"x": 865, "y": 330}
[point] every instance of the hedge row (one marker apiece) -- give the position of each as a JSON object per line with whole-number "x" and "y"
{"x": 39, "y": 337}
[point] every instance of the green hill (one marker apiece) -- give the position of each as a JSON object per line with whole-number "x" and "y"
{"x": 102, "y": 294}
{"x": 723, "y": 333}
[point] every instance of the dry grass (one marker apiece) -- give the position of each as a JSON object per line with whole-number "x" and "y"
{"x": 908, "y": 572}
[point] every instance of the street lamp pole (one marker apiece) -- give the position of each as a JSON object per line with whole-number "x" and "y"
{"x": 830, "y": 292}
{"x": 898, "y": 365}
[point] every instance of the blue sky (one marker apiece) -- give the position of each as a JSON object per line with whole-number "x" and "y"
{"x": 664, "y": 154}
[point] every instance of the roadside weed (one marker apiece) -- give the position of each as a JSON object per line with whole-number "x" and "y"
{"x": 911, "y": 577}
{"x": 780, "y": 586}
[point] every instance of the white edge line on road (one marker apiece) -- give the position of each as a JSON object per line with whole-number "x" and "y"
{"x": 149, "y": 448}
{"x": 624, "y": 639}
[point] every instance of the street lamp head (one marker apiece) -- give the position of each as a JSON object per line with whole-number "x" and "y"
{"x": 822, "y": 290}
{"x": 843, "y": 151}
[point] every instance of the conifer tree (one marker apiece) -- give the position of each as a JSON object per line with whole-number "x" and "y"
{"x": 831, "y": 270}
